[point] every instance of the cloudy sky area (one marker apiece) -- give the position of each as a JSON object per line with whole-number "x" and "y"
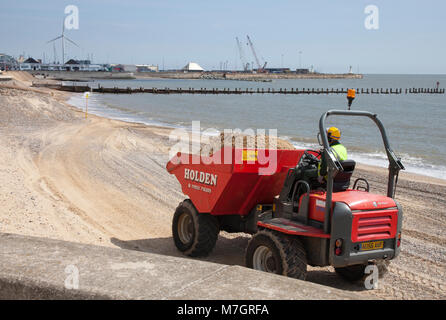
{"x": 330, "y": 34}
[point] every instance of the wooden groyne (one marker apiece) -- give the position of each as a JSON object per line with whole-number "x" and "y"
{"x": 128, "y": 90}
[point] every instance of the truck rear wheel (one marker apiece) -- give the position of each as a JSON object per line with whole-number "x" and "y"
{"x": 194, "y": 233}
{"x": 277, "y": 253}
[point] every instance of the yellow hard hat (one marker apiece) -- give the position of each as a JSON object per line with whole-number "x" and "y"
{"x": 334, "y": 133}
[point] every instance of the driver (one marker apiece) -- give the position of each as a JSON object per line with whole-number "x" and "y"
{"x": 334, "y": 135}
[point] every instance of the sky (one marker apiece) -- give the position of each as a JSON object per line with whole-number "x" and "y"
{"x": 330, "y": 35}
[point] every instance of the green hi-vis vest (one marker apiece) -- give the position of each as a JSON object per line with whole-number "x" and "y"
{"x": 340, "y": 152}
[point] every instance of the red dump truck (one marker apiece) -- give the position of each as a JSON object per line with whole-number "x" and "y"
{"x": 294, "y": 220}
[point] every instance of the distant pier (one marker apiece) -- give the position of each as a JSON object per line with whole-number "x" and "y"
{"x": 308, "y": 91}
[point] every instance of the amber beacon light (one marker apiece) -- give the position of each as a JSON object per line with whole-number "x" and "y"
{"x": 350, "y": 97}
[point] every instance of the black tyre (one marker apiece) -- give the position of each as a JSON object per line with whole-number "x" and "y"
{"x": 357, "y": 272}
{"x": 194, "y": 234}
{"x": 277, "y": 253}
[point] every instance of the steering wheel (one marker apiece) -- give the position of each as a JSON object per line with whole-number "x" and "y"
{"x": 311, "y": 156}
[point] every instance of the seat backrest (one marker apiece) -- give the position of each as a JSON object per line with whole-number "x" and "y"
{"x": 341, "y": 181}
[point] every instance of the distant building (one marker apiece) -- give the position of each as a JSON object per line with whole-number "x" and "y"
{"x": 8, "y": 62}
{"x": 192, "y": 66}
{"x": 123, "y": 68}
{"x": 146, "y": 68}
{"x": 116, "y": 68}
{"x": 51, "y": 67}
{"x": 302, "y": 71}
{"x": 30, "y": 64}
{"x": 21, "y": 59}
{"x": 72, "y": 61}
{"x": 82, "y": 65}
{"x": 276, "y": 70}
{"x": 129, "y": 67}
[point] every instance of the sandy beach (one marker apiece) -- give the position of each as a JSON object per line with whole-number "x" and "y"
{"x": 103, "y": 182}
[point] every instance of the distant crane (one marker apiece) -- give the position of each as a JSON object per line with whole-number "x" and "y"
{"x": 242, "y": 55}
{"x": 63, "y": 37}
{"x": 260, "y": 68}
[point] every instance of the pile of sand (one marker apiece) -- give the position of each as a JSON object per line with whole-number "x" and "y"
{"x": 244, "y": 141}
{"x": 21, "y": 76}
{"x": 30, "y": 109}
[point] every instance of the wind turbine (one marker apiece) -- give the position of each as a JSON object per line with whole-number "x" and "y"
{"x": 54, "y": 52}
{"x": 63, "y": 37}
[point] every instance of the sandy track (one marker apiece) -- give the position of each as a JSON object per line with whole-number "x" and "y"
{"x": 113, "y": 176}
{"x": 104, "y": 182}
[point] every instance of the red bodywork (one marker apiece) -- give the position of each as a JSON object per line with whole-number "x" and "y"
{"x": 238, "y": 187}
{"x": 374, "y": 216}
{"x": 234, "y": 186}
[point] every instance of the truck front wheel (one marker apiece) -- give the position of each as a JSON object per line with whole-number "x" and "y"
{"x": 277, "y": 253}
{"x": 194, "y": 233}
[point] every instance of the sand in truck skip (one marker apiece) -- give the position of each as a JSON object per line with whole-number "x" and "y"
{"x": 104, "y": 182}
{"x": 243, "y": 141}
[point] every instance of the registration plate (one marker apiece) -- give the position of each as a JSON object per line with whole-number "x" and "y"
{"x": 372, "y": 245}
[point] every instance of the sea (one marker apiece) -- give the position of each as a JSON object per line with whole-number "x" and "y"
{"x": 415, "y": 123}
